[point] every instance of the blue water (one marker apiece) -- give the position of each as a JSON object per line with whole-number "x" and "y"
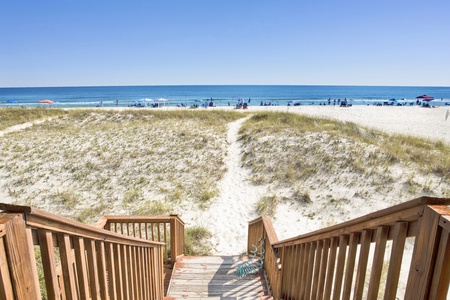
{"x": 221, "y": 95}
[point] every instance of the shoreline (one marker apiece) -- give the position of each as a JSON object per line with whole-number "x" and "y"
{"x": 428, "y": 123}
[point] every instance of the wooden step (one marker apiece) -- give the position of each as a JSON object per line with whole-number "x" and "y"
{"x": 214, "y": 277}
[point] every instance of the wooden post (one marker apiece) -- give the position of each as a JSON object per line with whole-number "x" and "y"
{"x": 21, "y": 259}
{"x": 6, "y": 289}
{"x": 424, "y": 254}
{"x": 173, "y": 240}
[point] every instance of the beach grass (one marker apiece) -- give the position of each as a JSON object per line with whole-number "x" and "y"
{"x": 14, "y": 116}
{"x": 114, "y": 162}
{"x": 197, "y": 241}
{"x": 299, "y": 153}
{"x": 87, "y": 162}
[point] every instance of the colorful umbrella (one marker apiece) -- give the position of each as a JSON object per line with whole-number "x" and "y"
{"x": 46, "y": 101}
{"x": 425, "y": 97}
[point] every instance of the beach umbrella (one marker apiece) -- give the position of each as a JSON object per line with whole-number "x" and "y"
{"x": 425, "y": 97}
{"x": 46, "y": 101}
{"x": 162, "y": 100}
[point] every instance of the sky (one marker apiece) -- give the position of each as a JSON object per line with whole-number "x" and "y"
{"x": 215, "y": 42}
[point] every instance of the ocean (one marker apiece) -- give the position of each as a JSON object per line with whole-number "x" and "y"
{"x": 219, "y": 95}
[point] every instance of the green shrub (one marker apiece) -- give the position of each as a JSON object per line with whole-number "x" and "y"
{"x": 197, "y": 241}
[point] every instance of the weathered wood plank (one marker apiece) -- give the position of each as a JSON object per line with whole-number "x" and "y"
{"x": 395, "y": 261}
{"x": 318, "y": 257}
{"x": 195, "y": 285}
{"x": 103, "y": 271}
{"x": 81, "y": 267}
{"x": 48, "y": 260}
{"x": 310, "y": 270}
{"x": 330, "y": 269}
{"x": 323, "y": 269}
{"x": 56, "y": 224}
{"x": 92, "y": 269}
{"x": 111, "y": 269}
{"x": 378, "y": 259}
{"x": 420, "y": 272}
{"x": 118, "y": 271}
{"x": 65, "y": 250}
{"x": 343, "y": 241}
{"x": 350, "y": 267}
{"x": 20, "y": 258}
{"x": 362, "y": 264}
{"x": 6, "y": 289}
{"x": 441, "y": 276}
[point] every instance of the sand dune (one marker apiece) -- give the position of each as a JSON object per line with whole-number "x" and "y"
{"x": 333, "y": 200}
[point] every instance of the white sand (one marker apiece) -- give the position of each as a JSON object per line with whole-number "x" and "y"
{"x": 228, "y": 217}
{"x": 234, "y": 207}
{"x": 428, "y": 123}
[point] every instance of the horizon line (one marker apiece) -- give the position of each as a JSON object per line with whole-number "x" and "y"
{"x": 187, "y": 85}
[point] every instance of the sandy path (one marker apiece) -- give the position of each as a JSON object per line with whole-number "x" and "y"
{"x": 227, "y": 218}
{"x": 22, "y": 126}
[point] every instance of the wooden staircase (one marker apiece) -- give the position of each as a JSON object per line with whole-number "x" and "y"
{"x": 214, "y": 277}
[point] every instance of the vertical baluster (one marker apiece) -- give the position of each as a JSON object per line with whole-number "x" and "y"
{"x": 362, "y": 264}
{"x": 317, "y": 266}
{"x": 81, "y": 267}
{"x": 378, "y": 259}
{"x": 441, "y": 277}
{"x": 304, "y": 267}
{"x": 118, "y": 271}
{"x": 323, "y": 269}
{"x": 103, "y": 272}
{"x": 395, "y": 262}
{"x": 350, "y": 267}
{"x": 65, "y": 250}
{"x": 330, "y": 268}
{"x": 310, "y": 270}
{"x": 343, "y": 241}
{"x": 92, "y": 269}
{"x": 159, "y": 232}
{"x": 48, "y": 260}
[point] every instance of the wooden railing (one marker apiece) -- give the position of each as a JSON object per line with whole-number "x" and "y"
{"x": 400, "y": 252}
{"x": 75, "y": 261}
{"x": 262, "y": 227}
{"x": 165, "y": 229}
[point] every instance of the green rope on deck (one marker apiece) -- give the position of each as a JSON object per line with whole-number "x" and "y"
{"x": 255, "y": 262}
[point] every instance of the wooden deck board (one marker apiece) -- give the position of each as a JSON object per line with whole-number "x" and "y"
{"x": 214, "y": 277}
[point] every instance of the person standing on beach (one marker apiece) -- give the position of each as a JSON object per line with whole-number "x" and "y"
{"x": 446, "y": 115}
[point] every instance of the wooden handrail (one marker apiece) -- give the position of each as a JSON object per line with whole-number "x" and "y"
{"x": 165, "y": 229}
{"x": 78, "y": 261}
{"x": 347, "y": 260}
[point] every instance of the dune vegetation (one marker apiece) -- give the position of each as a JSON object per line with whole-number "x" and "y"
{"x": 82, "y": 164}
{"x": 307, "y": 159}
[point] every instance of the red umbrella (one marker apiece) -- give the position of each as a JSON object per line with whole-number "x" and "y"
{"x": 424, "y": 97}
{"x": 46, "y": 101}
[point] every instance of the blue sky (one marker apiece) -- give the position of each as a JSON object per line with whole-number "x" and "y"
{"x": 346, "y": 42}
